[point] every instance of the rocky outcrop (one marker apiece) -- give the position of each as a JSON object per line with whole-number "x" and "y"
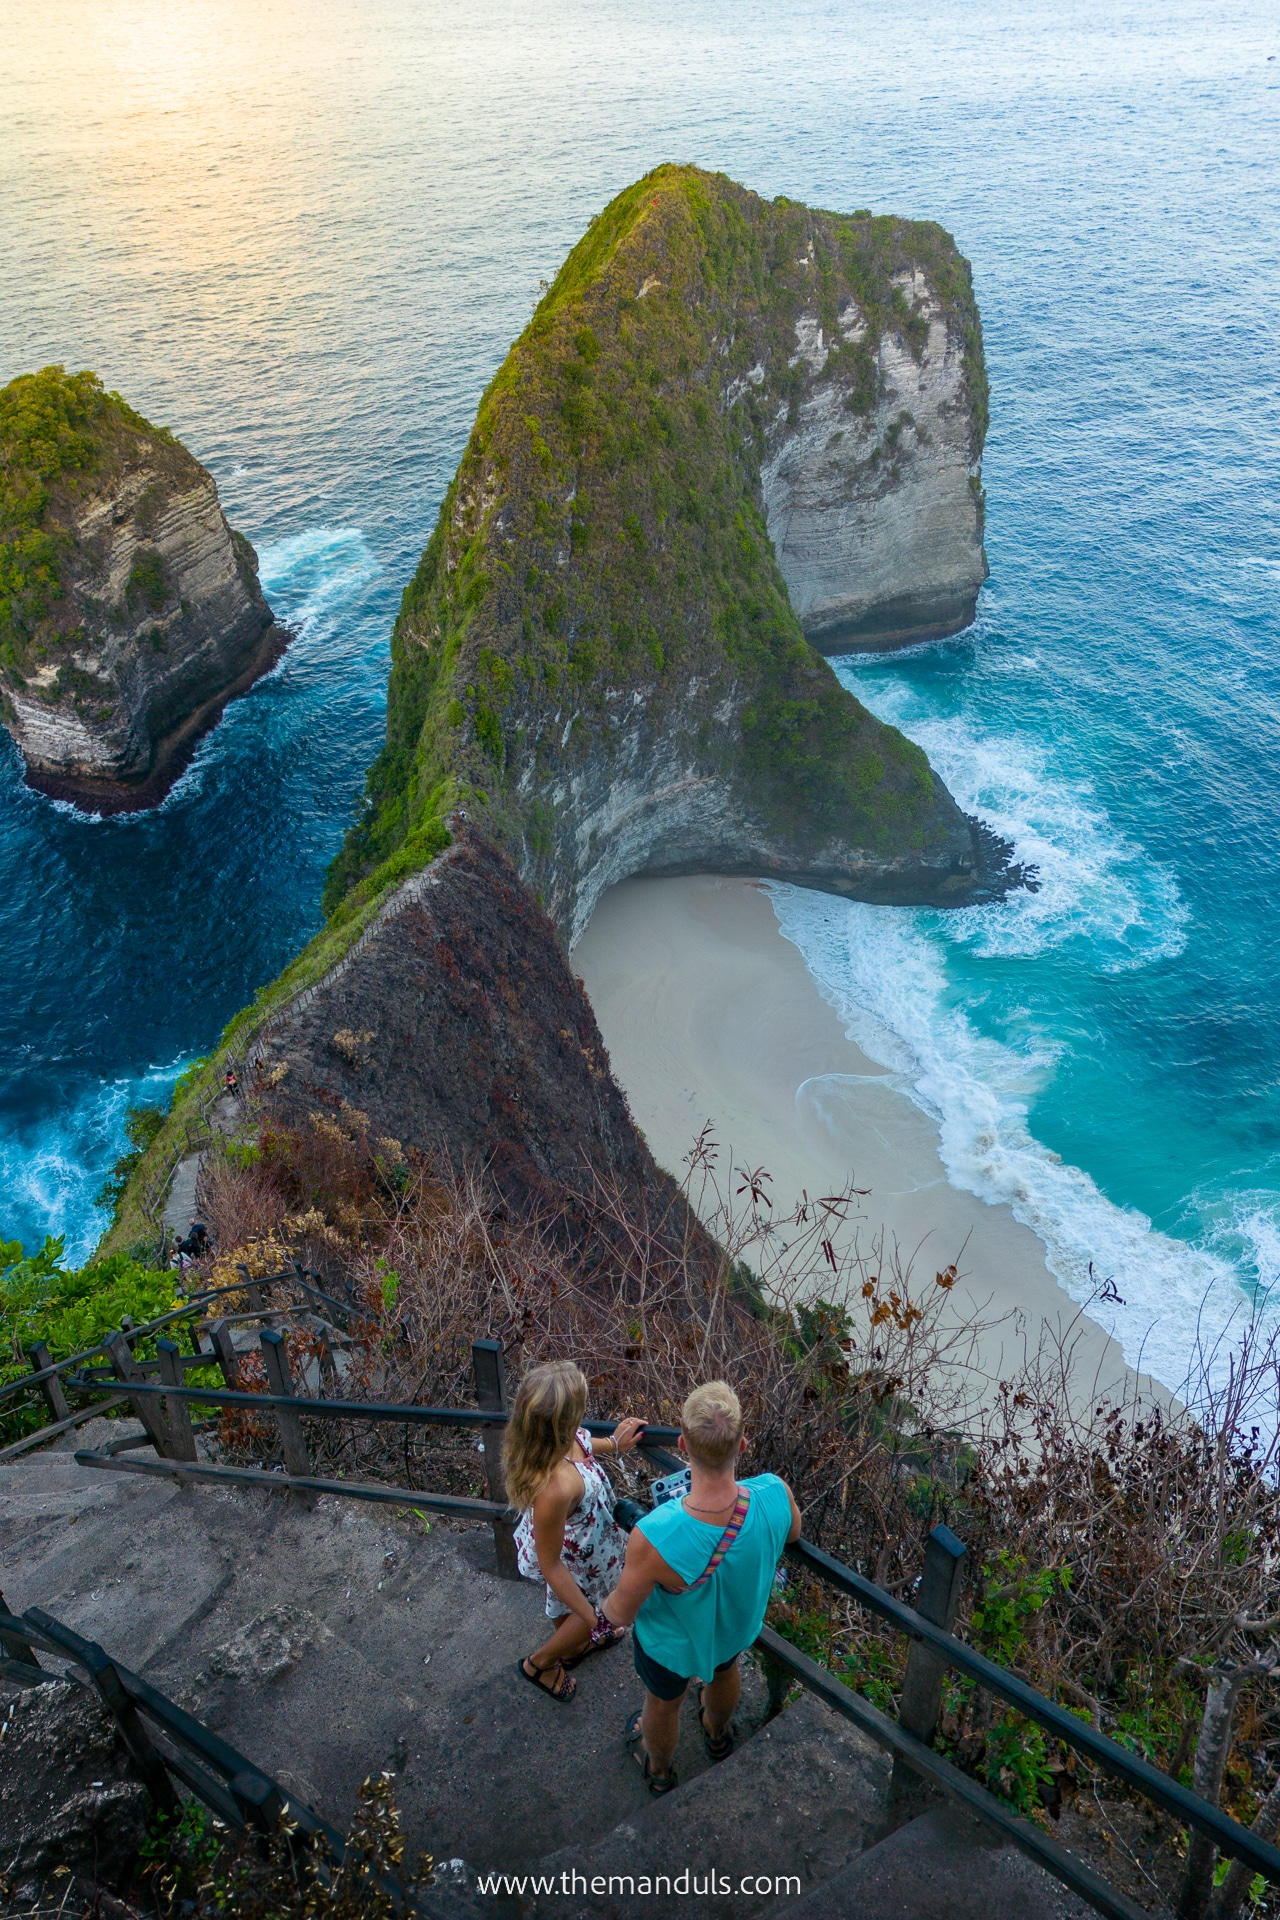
{"x": 876, "y": 515}
{"x": 133, "y": 612}
{"x": 68, "y": 1800}
{"x": 598, "y": 658}
{"x": 456, "y": 1030}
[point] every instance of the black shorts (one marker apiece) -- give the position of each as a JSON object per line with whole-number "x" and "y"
{"x": 659, "y": 1680}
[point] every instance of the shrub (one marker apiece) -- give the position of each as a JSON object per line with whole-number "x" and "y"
{"x": 69, "y": 1310}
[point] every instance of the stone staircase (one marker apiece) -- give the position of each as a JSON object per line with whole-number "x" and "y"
{"x": 332, "y": 1641}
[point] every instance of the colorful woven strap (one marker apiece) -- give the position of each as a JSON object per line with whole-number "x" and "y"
{"x": 727, "y": 1538}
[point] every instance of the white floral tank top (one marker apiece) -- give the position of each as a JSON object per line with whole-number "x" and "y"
{"x": 594, "y": 1544}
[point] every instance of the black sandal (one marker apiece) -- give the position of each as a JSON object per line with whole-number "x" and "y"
{"x": 657, "y": 1783}
{"x": 716, "y": 1750}
{"x": 561, "y": 1690}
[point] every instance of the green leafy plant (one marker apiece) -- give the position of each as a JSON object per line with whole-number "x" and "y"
{"x": 69, "y": 1310}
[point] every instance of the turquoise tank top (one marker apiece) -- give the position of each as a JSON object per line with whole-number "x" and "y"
{"x": 698, "y": 1631}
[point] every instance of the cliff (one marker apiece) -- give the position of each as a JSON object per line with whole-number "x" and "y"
{"x": 130, "y": 612}
{"x": 457, "y": 1031}
{"x": 598, "y": 659}
{"x": 871, "y": 480}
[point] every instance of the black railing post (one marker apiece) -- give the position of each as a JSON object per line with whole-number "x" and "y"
{"x": 14, "y": 1646}
{"x": 101, "y": 1670}
{"x": 126, "y": 1368}
{"x": 182, "y": 1441}
{"x": 225, "y": 1353}
{"x": 490, "y": 1377}
{"x": 936, "y": 1600}
{"x": 51, "y": 1389}
{"x": 259, "y": 1800}
{"x": 293, "y": 1441}
{"x": 252, "y": 1290}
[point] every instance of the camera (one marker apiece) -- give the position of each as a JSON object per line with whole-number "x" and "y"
{"x": 673, "y": 1487}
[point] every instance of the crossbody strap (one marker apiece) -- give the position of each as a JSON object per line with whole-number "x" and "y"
{"x": 726, "y": 1539}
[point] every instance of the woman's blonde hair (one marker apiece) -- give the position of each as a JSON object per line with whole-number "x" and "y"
{"x": 550, "y": 1403}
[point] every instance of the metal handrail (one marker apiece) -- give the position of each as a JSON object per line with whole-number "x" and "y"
{"x": 459, "y": 1506}
{"x": 376, "y": 1410}
{"x": 1229, "y": 1835}
{"x": 195, "y": 1303}
{"x": 940, "y": 1772}
{"x": 1128, "y": 1767}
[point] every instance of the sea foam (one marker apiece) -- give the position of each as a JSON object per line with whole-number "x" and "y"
{"x": 51, "y": 1171}
{"x": 885, "y": 970}
{"x": 311, "y": 576}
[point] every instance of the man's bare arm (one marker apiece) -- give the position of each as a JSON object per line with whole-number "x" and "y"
{"x": 642, "y": 1571}
{"x": 797, "y": 1524}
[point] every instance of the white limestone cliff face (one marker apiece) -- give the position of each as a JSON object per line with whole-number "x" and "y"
{"x": 161, "y": 620}
{"x": 876, "y": 516}
{"x": 654, "y": 803}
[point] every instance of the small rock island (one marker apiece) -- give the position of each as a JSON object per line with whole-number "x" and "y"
{"x": 130, "y": 612}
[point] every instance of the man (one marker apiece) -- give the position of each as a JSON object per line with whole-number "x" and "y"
{"x": 696, "y": 1582}
{"x": 197, "y": 1242}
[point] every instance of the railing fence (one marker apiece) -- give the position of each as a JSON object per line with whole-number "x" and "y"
{"x": 163, "y": 1406}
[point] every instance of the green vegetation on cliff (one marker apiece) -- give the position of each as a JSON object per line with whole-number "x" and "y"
{"x": 603, "y": 549}
{"x": 59, "y": 433}
{"x": 69, "y": 1310}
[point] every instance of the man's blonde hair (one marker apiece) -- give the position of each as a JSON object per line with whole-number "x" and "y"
{"x": 550, "y": 1403}
{"x": 711, "y": 1422}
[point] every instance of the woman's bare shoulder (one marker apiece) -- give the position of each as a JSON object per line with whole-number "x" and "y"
{"x": 562, "y": 1491}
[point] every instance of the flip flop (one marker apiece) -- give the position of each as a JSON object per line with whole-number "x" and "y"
{"x": 561, "y": 1690}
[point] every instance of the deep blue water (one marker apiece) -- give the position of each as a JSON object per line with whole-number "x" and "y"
{"x": 303, "y": 238}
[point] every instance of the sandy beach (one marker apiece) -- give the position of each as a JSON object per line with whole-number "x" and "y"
{"x": 710, "y": 1015}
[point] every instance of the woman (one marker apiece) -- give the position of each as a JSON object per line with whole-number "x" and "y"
{"x": 566, "y": 1534}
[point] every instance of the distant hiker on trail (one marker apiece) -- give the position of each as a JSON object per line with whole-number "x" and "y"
{"x": 230, "y": 1083}
{"x": 566, "y": 1534}
{"x": 696, "y": 1582}
{"x": 196, "y": 1244}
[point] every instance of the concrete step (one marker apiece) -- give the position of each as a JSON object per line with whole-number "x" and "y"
{"x": 942, "y": 1866}
{"x": 330, "y": 1641}
{"x": 180, "y": 1202}
{"x": 792, "y": 1806}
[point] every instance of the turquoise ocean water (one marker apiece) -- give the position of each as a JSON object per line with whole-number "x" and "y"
{"x": 304, "y": 237}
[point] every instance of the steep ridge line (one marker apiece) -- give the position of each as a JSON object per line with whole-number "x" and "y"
{"x": 199, "y": 1132}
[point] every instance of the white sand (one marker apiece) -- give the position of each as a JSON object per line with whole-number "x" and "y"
{"x": 709, "y": 1014}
